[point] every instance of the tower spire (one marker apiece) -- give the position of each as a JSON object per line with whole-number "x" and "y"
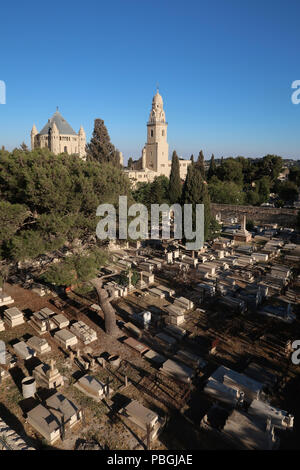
{"x": 157, "y": 146}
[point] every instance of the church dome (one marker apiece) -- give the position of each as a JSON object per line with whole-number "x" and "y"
{"x": 62, "y": 125}
{"x": 157, "y": 100}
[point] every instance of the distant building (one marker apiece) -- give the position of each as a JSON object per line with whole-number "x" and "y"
{"x": 284, "y": 174}
{"x": 59, "y": 137}
{"x": 155, "y": 154}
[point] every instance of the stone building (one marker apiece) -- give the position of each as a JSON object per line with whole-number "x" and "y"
{"x": 155, "y": 154}
{"x": 59, "y": 137}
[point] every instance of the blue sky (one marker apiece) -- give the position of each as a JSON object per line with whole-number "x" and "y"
{"x": 224, "y": 69}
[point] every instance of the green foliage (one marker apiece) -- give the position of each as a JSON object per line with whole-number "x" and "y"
{"x": 270, "y": 166}
{"x": 294, "y": 175}
{"x": 100, "y": 147}
{"x": 263, "y": 189}
{"x": 49, "y": 199}
{"x": 76, "y": 269}
{"x": 194, "y": 192}
{"x": 243, "y": 172}
{"x": 159, "y": 193}
{"x": 252, "y": 197}
{"x": 212, "y": 171}
{"x": 199, "y": 165}
{"x": 225, "y": 192}
{"x": 231, "y": 170}
{"x": 61, "y": 274}
{"x": 250, "y": 225}
{"x": 123, "y": 278}
{"x": 142, "y": 193}
{"x": 288, "y": 191}
{"x": 28, "y": 244}
{"x": 175, "y": 187}
{"x": 249, "y": 168}
{"x": 214, "y": 229}
{"x": 188, "y": 189}
{"x": 12, "y": 217}
{"x": 24, "y": 147}
{"x": 84, "y": 289}
{"x": 156, "y": 192}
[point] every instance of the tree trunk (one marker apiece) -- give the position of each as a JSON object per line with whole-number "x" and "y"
{"x": 108, "y": 310}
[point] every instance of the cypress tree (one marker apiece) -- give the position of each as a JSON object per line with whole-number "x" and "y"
{"x": 175, "y": 188}
{"x": 212, "y": 168}
{"x": 188, "y": 195}
{"x": 220, "y": 170}
{"x": 199, "y": 165}
{"x": 192, "y": 158}
{"x": 100, "y": 147}
{"x": 130, "y": 162}
{"x": 195, "y": 191}
{"x": 207, "y": 213}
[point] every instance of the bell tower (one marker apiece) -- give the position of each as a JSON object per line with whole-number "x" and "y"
{"x": 81, "y": 143}
{"x": 157, "y": 147}
{"x": 33, "y": 135}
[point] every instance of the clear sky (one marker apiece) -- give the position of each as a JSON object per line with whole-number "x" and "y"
{"x": 224, "y": 69}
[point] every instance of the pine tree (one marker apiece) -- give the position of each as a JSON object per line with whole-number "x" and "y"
{"x": 23, "y": 147}
{"x": 175, "y": 188}
{"x": 212, "y": 168}
{"x": 100, "y": 147}
{"x": 199, "y": 165}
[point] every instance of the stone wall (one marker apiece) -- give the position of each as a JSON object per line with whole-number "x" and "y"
{"x": 268, "y": 215}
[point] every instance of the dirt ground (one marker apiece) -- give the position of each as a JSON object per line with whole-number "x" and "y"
{"x": 99, "y": 422}
{"x": 240, "y": 339}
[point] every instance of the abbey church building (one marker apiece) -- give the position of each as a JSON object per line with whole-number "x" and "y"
{"x": 59, "y": 137}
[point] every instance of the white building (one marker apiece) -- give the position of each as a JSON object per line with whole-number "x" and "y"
{"x": 155, "y": 154}
{"x": 58, "y": 136}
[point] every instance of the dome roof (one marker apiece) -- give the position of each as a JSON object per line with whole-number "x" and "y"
{"x": 157, "y": 99}
{"x": 62, "y": 125}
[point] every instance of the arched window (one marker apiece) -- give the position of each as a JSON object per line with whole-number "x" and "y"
{"x": 162, "y": 132}
{"x": 151, "y": 133}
